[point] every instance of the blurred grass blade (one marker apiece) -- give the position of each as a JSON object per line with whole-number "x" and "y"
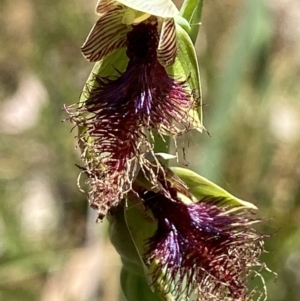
{"x": 253, "y": 32}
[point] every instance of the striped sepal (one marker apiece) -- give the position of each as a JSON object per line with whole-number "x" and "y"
{"x": 105, "y": 5}
{"x": 108, "y": 34}
{"x": 167, "y": 48}
{"x": 158, "y": 8}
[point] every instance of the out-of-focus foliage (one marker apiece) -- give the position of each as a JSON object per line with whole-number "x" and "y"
{"x": 249, "y": 53}
{"x": 45, "y": 251}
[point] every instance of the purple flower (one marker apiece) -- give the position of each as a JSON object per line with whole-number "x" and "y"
{"x": 117, "y": 119}
{"x": 201, "y": 251}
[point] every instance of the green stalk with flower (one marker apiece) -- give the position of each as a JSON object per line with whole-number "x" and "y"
{"x": 180, "y": 237}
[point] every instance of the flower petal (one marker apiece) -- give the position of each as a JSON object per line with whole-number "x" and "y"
{"x": 158, "y": 8}
{"x": 167, "y": 49}
{"x": 108, "y": 34}
{"x": 105, "y": 5}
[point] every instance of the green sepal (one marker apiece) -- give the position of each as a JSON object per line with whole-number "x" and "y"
{"x": 121, "y": 239}
{"x": 203, "y": 189}
{"x": 128, "y": 231}
{"x": 107, "y": 67}
{"x": 136, "y": 288}
{"x": 186, "y": 68}
{"x": 142, "y": 226}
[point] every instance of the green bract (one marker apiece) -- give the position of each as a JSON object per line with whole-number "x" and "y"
{"x": 203, "y": 189}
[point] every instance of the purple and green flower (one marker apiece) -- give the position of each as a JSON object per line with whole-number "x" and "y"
{"x": 145, "y": 82}
{"x": 198, "y": 241}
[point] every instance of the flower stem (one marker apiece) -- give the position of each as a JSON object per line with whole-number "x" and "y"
{"x": 191, "y": 10}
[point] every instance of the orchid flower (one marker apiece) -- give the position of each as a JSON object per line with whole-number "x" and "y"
{"x": 146, "y": 82}
{"x": 196, "y": 243}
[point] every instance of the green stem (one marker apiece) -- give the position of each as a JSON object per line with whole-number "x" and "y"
{"x": 191, "y": 10}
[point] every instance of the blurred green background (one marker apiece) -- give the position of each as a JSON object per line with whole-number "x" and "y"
{"x": 249, "y": 55}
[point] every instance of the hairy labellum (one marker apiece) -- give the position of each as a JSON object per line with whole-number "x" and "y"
{"x": 201, "y": 251}
{"x": 120, "y": 113}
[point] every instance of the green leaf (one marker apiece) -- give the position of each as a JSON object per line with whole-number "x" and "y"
{"x": 202, "y": 188}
